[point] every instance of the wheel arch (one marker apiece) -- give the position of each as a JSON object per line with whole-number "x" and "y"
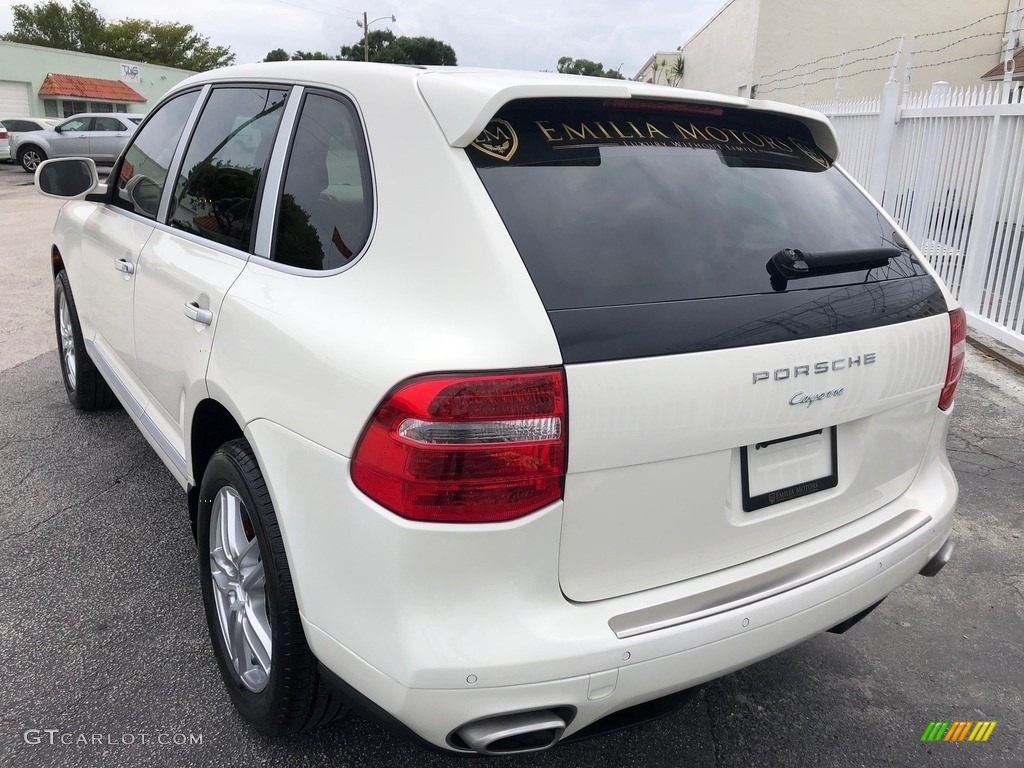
{"x": 56, "y": 261}
{"x": 26, "y": 145}
{"x": 212, "y": 426}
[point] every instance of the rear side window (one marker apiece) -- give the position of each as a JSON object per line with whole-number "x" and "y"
{"x": 621, "y": 202}
{"x": 215, "y": 195}
{"x": 143, "y": 173}
{"x": 21, "y": 126}
{"x": 325, "y": 208}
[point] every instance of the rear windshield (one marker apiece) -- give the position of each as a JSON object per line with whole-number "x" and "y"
{"x": 614, "y": 202}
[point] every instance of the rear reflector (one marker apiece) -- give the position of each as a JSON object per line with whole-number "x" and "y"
{"x": 957, "y": 353}
{"x": 466, "y": 449}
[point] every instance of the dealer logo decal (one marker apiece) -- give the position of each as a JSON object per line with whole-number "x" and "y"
{"x": 498, "y": 139}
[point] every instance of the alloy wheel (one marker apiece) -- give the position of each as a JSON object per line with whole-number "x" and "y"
{"x": 67, "y": 341}
{"x": 240, "y": 589}
{"x": 30, "y": 159}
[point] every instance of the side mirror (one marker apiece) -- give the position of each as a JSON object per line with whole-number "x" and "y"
{"x": 67, "y": 177}
{"x": 144, "y": 194}
{"x": 58, "y": 128}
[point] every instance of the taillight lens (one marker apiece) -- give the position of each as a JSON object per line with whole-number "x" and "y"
{"x": 3, "y": 134}
{"x": 466, "y": 448}
{"x": 957, "y": 353}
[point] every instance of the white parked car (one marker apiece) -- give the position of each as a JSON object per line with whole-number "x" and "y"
{"x": 510, "y": 407}
{"x": 11, "y": 127}
{"x": 100, "y": 136}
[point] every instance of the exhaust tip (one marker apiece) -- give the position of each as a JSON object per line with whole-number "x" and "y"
{"x": 510, "y": 734}
{"x": 941, "y": 558}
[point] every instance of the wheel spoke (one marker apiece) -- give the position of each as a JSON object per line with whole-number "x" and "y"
{"x": 236, "y": 637}
{"x": 231, "y": 532}
{"x": 250, "y": 554}
{"x": 257, "y": 637}
{"x": 255, "y": 580}
{"x": 220, "y": 562}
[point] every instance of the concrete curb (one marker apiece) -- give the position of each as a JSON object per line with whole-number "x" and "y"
{"x": 994, "y": 348}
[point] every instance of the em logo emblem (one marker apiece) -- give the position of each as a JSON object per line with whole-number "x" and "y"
{"x": 958, "y": 730}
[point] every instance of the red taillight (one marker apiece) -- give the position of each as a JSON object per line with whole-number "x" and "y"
{"x": 957, "y": 352}
{"x": 3, "y": 134}
{"x": 466, "y": 449}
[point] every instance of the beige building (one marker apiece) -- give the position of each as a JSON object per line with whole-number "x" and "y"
{"x": 797, "y": 50}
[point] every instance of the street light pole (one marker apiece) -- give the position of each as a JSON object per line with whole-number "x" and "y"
{"x": 366, "y": 32}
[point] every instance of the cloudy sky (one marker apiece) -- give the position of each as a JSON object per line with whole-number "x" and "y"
{"x": 525, "y": 34}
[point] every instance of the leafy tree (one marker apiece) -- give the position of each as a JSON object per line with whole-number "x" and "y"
{"x": 385, "y": 47}
{"x": 278, "y": 54}
{"x": 421, "y": 50}
{"x": 312, "y": 56}
{"x": 167, "y": 43}
{"x": 53, "y": 25}
{"x": 80, "y": 27}
{"x": 379, "y": 40}
{"x": 570, "y": 66}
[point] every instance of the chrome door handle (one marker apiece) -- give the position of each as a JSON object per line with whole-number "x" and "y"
{"x": 192, "y": 310}
{"x": 123, "y": 265}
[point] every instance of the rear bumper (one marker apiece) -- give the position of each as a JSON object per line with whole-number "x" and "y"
{"x": 705, "y": 650}
{"x": 442, "y": 625}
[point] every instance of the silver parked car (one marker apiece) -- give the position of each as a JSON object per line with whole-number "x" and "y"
{"x": 100, "y": 136}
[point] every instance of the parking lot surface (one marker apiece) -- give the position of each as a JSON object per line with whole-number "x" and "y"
{"x": 105, "y": 656}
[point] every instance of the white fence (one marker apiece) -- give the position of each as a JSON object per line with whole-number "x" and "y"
{"x": 949, "y": 166}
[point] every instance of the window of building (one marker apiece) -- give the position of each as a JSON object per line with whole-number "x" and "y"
{"x": 69, "y": 107}
{"x": 325, "y": 208}
{"x": 216, "y": 193}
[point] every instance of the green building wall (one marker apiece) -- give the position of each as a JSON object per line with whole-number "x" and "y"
{"x": 30, "y": 64}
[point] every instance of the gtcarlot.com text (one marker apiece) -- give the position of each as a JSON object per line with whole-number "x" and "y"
{"x": 55, "y": 737}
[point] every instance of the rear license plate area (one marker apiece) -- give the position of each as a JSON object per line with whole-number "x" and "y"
{"x": 781, "y": 470}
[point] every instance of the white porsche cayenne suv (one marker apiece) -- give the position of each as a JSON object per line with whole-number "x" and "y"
{"x": 510, "y": 407}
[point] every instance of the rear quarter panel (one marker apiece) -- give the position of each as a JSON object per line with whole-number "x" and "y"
{"x": 440, "y": 287}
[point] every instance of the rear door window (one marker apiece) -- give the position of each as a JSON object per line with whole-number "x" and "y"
{"x": 110, "y": 124}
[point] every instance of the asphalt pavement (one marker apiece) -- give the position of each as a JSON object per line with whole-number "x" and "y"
{"x": 104, "y": 656}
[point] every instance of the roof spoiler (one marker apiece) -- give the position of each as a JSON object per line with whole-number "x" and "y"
{"x": 463, "y": 103}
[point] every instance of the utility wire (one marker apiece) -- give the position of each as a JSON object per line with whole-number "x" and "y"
{"x": 833, "y": 56}
{"x": 884, "y": 42}
{"x": 829, "y": 67}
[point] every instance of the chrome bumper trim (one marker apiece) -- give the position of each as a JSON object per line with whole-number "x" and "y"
{"x": 769, "y": 583}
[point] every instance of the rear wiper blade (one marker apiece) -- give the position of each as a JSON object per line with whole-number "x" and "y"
{"x": 792, "y": 264}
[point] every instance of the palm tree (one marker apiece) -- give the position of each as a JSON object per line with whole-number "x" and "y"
{"x": 675, "y": 72}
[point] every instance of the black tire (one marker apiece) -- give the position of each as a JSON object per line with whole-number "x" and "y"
{"x": 294, "y": 698}
{"x": 84, "y": 384}
{"x": 29, "y": 158}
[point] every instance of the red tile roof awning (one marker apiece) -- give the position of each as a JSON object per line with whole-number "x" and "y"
{"x": 95, "y": 88}
{"x": 996, "y": 73}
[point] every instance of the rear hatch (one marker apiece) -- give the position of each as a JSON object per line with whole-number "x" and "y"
{"x": 740, "y": 380}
